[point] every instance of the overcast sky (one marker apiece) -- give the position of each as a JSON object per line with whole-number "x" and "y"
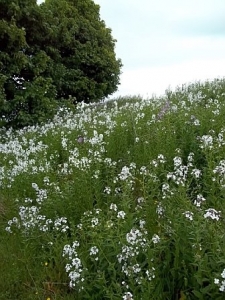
{"x": 164, "y": 43}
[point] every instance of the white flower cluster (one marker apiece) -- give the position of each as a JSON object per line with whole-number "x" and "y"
{"x": 120, "y": 214}
{"x": 206, "y": 142}
{"x": 220, "y": 172}
{"x": 200, "y": 199}
{"x": 31, "y": 218}
{"x": 179, "y": 176}
{"x": 128, "y": 296}
{"x": 41, "y": 193}
{"x": 136, "y": 243}
{"x": 160, "y": 160}
{"x": 221, "y": 283}
{"x": 189, "y": 215}
{"x": 74, "y": 268}
{"x": 213, "y": 214}
{"x": 94, "y": 251}
{"x": 155, "y": 239}
{"x": 18, "y": 153}
{"x": 160, "y": 210}
{"x": 125, "y": 173}
{"x": 97, "y": 139}
{"x": 113, "y": 206}
{"x": 166, "y": 191}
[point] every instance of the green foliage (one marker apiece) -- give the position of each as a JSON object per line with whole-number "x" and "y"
{"x": 117, "y": 203}
{"x": 60, "y": 52}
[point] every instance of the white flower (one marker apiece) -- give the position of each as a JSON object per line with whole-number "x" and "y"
{"x": 128, "y": 296}
{"x": 140, "y": 200}
{"x": 155, "y": 239}
{"x": 159, "y": 209}
{"x": 206, "y": 141}
{"x": 121, "y": 214}
{"x": 125, "y": 173}
{"x": 222, "y": 287}
{"x": 200, "y": 199}
{"x": 150, "y": 274}
{"x": 132, "y": 236}
{"x": 113, "y": 206}
{"x": 136, "y": 268}
{"x": 212, "y": 214}
{"x": 196, "y": 173}
{"x": 94, "y": 250}
{"x": 161, "y": 158}
{"x": 142, "y": 224}
{"x": 94, "y": 222}
{"x": 143, "y": 170}
{"x": 188, "y": 215}
{"x": 216, "y": 281}
{"x": 107, "y": 190}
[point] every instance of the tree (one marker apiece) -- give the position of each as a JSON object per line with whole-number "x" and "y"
{"x": 83, "y": 50}
{"x": 50, "y": 53}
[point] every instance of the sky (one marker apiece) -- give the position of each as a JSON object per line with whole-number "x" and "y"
{"x": 165, "y": 43}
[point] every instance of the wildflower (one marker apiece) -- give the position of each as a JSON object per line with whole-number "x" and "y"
{"x": 113, "y": 207}
{"x": 136, "y": 268}
{"x": 200, "y": 199}
{"x": 206, "y": 142}
{"x": 125, "y": 173}
{"x": 94, "y": 250}
{"x": 128, "y": 296}
{"x": 142, "y": 224}
{"x": 196, "y": 173}
{"x": 177, "y": 161}
{"x": 94, "y": 222}
{"x": 221, "y": 283}
{"x": 212, "y": 214}
{"x": 188, "y": 215}
{"x": 161, "y": 158}
{"x": 155, "y": 239}
{"x": 143, "y": 170}
{"x": 121, "y": 214}
{"x": 216, "y": 281}
{"x": 160, "y": 210}
{"x": 107, "y": 190}
{"x": 140, "y": 200}
{"x": 154, "y": 163}
{"x": 150, "y": 274}
{"x": 196, "y": 122}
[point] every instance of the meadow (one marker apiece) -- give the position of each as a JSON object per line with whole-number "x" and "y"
{"x": 123, "y": 200}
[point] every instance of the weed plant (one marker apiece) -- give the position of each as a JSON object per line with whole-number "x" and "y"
{"x": 123, "y": 200}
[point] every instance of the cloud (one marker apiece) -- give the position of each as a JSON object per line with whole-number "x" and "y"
{"x": 155, "y": 80}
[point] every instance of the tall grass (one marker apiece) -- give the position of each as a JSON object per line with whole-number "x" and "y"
{"x": 123, "y": 200}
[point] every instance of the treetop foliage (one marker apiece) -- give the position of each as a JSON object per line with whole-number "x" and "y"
{"x": 51, "y": 54}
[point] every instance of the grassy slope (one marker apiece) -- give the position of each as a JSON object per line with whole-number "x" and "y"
{"x": 48, "y": 171}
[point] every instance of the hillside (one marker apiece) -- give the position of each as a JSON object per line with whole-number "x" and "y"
{"x": 123, "y": 200}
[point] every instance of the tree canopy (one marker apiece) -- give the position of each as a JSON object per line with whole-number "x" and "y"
{"x": 51, "y": 53}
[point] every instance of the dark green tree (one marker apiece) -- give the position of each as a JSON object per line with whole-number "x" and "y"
{"x": 82, "y": 49}
{"x": 52, "y": 53}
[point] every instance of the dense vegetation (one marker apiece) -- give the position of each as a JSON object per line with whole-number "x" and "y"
{"x": 123, "y": 200}
{"x": 55, "y": 54}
